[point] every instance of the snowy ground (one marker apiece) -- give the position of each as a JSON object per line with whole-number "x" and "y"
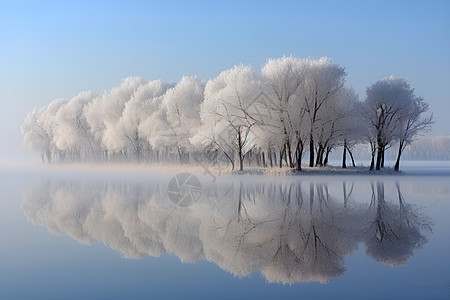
{"x": 440, "y": 168}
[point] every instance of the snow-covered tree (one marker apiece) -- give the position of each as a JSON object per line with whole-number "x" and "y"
{"x": 225, "y": 113}
{"x": 413, "y": 123}
{"x": 105, "y": 112}
{"x": 143, "y": 102}
{"x": 73, "y": 134}
{"x": 390, "y": 102}
{"x": 181, "y": 105}
{"x": 265, "y": 118}
{"x": 40, "y": 128}
{"x": 322, "y": 81}
{"x": 282, "y": 80}
{"x": 350, "y": 125}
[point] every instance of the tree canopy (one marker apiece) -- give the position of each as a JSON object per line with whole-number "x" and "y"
{"x": 270, "y": 118}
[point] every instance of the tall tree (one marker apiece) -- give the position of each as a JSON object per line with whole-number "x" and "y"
{"x": 386, "y": 102}
{"x": 182, "y": 107}
{"x": 225, "y": 113}
{"x": 322, "y": 81}
{"x": 74, "y": 134}
{"x": 282, "y": 79}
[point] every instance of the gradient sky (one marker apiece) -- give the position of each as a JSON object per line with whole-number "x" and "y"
{"x": 55, "y": 49}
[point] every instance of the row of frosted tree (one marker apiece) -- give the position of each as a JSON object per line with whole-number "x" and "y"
{"x": 292, "y": 108}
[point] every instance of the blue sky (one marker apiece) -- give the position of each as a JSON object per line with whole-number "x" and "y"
{"x": 55, "y": 49}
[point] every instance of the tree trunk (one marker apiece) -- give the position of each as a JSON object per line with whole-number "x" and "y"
{"x": 372, "y": 162}
{"x": 269, "y": 153}
{"x": 351, "y": 156}
{"x": 378, "y": 165}
{"x": 344, "y": 190}
{"x": 319, "y": 156}
{"x": 344, "y": 157}
{"x": 299, "y": 152}
{"x": 382, "y": 157}
{"x": 397, "y": 163}
{"x": 263, "y": 159}
{"x": 281, "y": 156}
{"x": 325, "y": 161}
{"x": 311, "y": 151}
{"x": 241, "y": 156}
{"x": 289, "y": 155}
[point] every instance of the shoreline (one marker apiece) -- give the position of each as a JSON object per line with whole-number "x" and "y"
{"x": 134, "y": 168}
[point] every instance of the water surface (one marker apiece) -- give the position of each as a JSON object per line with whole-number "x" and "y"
{"x": 96, "y": 235}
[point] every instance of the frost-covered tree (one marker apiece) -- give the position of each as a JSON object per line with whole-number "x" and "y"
{"x": 105, "y": 112}
{"x": 384, "y": 103}
{"x": 389, "y": 104}
{"x": 333, "y": 123}
{"x": 181, "y": 105}
{"x": 225, "y": 113}
{"x": 265, "y": 119}
{"x": 282, "y": 81}
{"x": 73, "y": 134}
{"x": 322, "y": 81}
{"x": 143, "y": 102}
{"x": 351, "y": 125}
{"x": 40, "y": 128}
{"x": 413, "y": 123}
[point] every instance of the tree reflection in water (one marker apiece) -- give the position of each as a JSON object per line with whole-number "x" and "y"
{"x": 291, "y": 231}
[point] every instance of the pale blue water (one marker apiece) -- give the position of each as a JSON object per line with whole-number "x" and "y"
{"x": 103, "y": 235}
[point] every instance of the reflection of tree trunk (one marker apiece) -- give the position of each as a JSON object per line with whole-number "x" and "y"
{"x": 380, "y": 225}
{"x": 240, "y": 205}
{"x": 344, "y": 190}
{"x": 400, "y": 197}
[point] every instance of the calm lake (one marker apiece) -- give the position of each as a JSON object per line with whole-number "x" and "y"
{"x": 93, "y": 234}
